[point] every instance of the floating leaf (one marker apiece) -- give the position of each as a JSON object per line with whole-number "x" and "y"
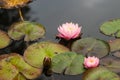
{"x": 114, "y": 45}
{"x": 28, "y": 71}
{"x": 68, "y": 63}
{"x": 116, "y": 54}
{"x": 4, "y": 39}
{"x": 35, "y": 53}
{"x": 29, "y": 30}
{"x": 111, "y": 28}
{"x": 111, "y": 63}
{"x": 8, "y": 4}
{"x": 19, "y": 77}
{"x": 100, "y": 73}
{"x": 91, "y": 47}
{"x": 7, "y": 70}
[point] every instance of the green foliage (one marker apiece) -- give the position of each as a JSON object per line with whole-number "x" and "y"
{"x": 111, "y": 28}
{"x": 35, "y": 53}
{"x": 29, "y": 30}
{"x": 7, "y": 70}
{"x": 28, "y": 71}
{"x": 100, "y": 73}
{"x": 19, "y": 77}
{"x": 4, "y": 39}
{"x": 91, "y": 47}
{"x": 68, "y": 63}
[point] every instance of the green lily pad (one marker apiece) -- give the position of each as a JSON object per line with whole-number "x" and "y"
{"x": 4, "y": 39}
{"x": 19, "y": 77}
{"x": 7, "y": 70}
{"x": 68, "y": 63}
{"x": 100, "y": 73}
{"x": 29, "y": 30}
{"x": 28, "y": 71}
{"x": 35, "y": 53}
{"x": 91, "y": 47}
{"x": 111, "y": 63}
{"x": 114, "y": 45}
{"x": 111, "y": 28}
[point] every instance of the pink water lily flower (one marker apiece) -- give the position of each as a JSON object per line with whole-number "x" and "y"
{"x": 69, "y": 31}
{"x": 91, "y": 62}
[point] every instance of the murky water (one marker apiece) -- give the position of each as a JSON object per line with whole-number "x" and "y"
{"x": 52, "y": 13}
{"x": 88, "y": 13}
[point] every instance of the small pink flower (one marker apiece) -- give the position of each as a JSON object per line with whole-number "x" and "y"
{"x": 91, "y": 62}
{"x": 69, "y": 31}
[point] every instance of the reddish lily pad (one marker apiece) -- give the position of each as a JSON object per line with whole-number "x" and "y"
{"x": 35, "y": 53}
{"x": 28, "y": 71}
{"x": 111, "y": 63}
{"x": 91, "y": 47}
{"x": 68, "y": 63}
{"x": 4, "y": 39}
{"x": 114, "y": 45}
{"x": 100, "y": 73}
{"x": 111, "y": 28}
{"x": 116, "y": 54}
{"x": 7, "y": 70}
{"x": 29, "y": 30}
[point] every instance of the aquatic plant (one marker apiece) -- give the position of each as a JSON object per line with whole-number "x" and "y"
{"x": 91, "y": 62}
{"x": 69, "y": 31}
{"x": 87, "y": 56}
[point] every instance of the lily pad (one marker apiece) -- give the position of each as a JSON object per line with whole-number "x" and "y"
{"x": 111, "y": 28}
{"x": 7, "y": 70}
{"x": 35, "y": 53}
{"x": 28, "y": 71}
{"x": 116, "y": 54}
{"x": 19, "y": 77}
{"x": 8, "y": 4}
{"x": 4, "y": 39}
{"x": 114, "y": 45}
{"x": 100, "y": 73}
{"x": 68, "y": 63}
{"x": 91, "y": 47}
{"x": 111, "y": 63}
{"x": 29, "y": 30}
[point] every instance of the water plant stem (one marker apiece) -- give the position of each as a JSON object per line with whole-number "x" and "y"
{"x": 20, "y": 13}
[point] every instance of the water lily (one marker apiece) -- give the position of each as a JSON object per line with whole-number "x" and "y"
{"x": 91, "y": 62}
{"x": 69, "y": 31}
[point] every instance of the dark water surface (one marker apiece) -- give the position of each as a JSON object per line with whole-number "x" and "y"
{"x": 52, "y": 13}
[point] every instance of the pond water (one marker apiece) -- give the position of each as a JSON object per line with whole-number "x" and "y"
{"x": 52, "y": 13}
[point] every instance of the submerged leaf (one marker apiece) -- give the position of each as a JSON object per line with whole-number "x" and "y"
{"x": 68, "y": 63}
{"x": 29, "y": 30}
{"x": 91, "y": 47}
{"x": 100, "y": 73}
{"x": 111, "y": 63}
{"x": 4, "y": 39}
{"x": 111, "y": 28}
{"x": 8, "y": 4}
{"x": 35, "y": 53}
